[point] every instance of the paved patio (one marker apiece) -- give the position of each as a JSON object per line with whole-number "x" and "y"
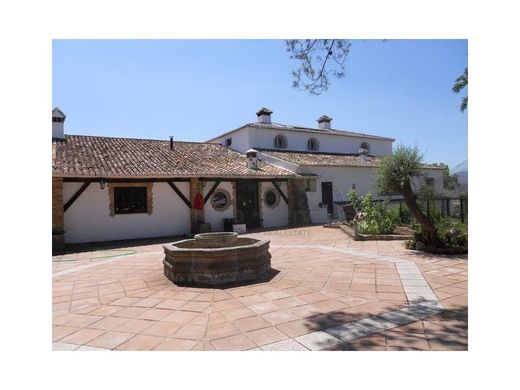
{"x": 328, "y": 293}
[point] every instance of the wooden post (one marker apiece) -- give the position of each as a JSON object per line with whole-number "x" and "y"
{"x": 461, "y": 209}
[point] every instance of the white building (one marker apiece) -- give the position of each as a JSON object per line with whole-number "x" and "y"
{"x": 334, "y": 161}
{"x": 262, "y": 175}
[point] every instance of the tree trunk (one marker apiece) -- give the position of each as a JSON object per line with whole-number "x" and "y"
{"x": 429, "y": 232}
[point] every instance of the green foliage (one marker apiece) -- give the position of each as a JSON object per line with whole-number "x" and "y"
{"x": 318, "y": 59}
{"x": 397, "y": 170}
{"x": 453, "y": 238}
{"x": 450, "y": 182}
{"x": 354, "y": 198}
{"x": 460, "y": 84}
{"x": 375, "y": 220}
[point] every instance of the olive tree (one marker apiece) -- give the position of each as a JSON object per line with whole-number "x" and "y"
{"x": 396, "y": 174}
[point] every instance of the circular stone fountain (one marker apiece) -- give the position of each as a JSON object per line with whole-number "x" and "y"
{"x": 216, "y": 258}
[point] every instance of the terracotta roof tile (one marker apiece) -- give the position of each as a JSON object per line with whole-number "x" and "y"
{"x": 90, "y": 156}
{"x": 323, "y": 159}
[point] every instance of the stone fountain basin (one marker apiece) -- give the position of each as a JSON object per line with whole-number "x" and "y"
{"x": 193, "y": 262}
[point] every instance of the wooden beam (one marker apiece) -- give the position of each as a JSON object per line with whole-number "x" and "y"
{"x": 181, "y": 195}
{"x": 280, "y": 192}
{"x": 94, "y": 180}
{"x": 211, "y": 191}
{"x": 76, "y": 196}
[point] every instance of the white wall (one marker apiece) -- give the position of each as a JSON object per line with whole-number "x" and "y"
{"x": 89, "y": 220}
{"x": 264, "y": 138}
{"x": 240, "y": 140}
{"x": 279, "y": 215}
{"x": 215, "y": 217}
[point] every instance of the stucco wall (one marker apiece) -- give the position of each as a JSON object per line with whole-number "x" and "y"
{"x": 89, "y": 220}
{"x": 279, "y": 215}
{"x": 213, "y": 216}
{"x": 264, "y": 138}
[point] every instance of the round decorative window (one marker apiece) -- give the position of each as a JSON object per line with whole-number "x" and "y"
{"x": 271, "y": 198}
{"x": 220, "y": 200}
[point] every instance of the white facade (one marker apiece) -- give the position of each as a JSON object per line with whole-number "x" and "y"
{"x": 89, "y": 219}
{"x": 263, "y": 138}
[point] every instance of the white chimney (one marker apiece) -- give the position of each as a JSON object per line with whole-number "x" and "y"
{"x": 324, "y": 122}
{"x": 264, "y": 115}
{"x": 251, "y": 159}
{"x": 58, "y": 123}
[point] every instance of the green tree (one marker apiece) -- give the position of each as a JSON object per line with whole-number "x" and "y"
{"x": 319, "y": 59}
{"x": 450, "y": 182}
{"x": 396, "y": 174}
{"x": 460, "y": 84}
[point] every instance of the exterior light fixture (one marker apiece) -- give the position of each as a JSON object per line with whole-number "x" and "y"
{"x": 102, "y": 184}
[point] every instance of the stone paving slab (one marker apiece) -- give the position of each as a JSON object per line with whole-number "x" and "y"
{"x": 328, "y": 290}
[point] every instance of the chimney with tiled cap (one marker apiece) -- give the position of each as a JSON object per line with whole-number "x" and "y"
{"x": 251, "y": 159}
{"x": 324, "y": 122}
{"x": 58, "y": 123}
{"x": 264, "y": 115}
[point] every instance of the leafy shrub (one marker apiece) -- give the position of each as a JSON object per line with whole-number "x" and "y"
{"x": 453, "y": 238}
{"x": 375, "y": 219}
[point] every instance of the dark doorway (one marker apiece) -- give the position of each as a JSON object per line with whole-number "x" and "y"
{"x": 326, "y": 196}
{"x": 247, "y": 203}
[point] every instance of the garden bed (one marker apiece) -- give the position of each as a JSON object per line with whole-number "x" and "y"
{"x": 356, "y": 236}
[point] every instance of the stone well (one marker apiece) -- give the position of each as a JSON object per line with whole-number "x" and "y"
{"x": 216, "y": 258}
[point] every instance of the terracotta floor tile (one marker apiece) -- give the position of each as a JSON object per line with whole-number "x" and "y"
{"x": 180, "y": 317}
{"x": 82, "y": 336}
{"x": 154, "y": 314}
{"x": 251, "y": 323}
{"x": 129, "y": 312}
{"x": 266, "y": 336}
{"x": 274, "y": 295}
{"x": 59, "y": 331}
{"x": 140, "y": 343}
{"x": 172, "y": 344}
{"x": 220, "y": 330}
{"x": 147, "y": 302}
{"x": 313, "y": 297}
{"x": 83, "y": 320}
{"x": 252, "y": 299}
{"x": 105, "y": 310}
{"x": 226, "y": 304}
{"x": 295, "y": 328}
{"x": 108, "y": 323}
{"x": 278, "y": 317}
{"x": 110, "y": 340}
{"x": 171, "y": 304}
{"x": 162, "y": 329}
{"x": 237, "y": 313}
{"x": 238, "y": 342}
{"x": 266, "y": 307}
{"x": 134, "y": 326}
{"x": 196, "y": 306}
{"x": 290, "y": 302}
{"x": 404, "y": 340}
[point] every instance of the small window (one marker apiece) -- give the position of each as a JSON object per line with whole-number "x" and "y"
{"x": 429, "y": 181}
{"x": 220, "y": 200}
{"x": 313, "y": 144}
{"x": 280, "y": 142}
{"x": 229, "y": 141}
{"x": 130, "y": 200}
{"x": 310, "y": 185}
{"x": 271, "y": 198}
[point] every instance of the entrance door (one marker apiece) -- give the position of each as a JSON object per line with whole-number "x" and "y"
{"x": 247, "y": 203}
{"x": 326, "y": 196}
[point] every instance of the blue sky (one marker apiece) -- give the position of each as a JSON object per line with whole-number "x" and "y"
{"x": 196, "y": 89}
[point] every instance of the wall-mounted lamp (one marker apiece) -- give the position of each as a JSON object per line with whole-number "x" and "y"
{"x": 203, "y": 183}
{"x": 278, "y": 183}
{"x": 102, "y": 184}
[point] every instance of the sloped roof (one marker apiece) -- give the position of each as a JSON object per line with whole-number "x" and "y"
{"x": 278, "y": 126}
{"x": 90, "y": 156}
{"x": 323, "y": 159}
